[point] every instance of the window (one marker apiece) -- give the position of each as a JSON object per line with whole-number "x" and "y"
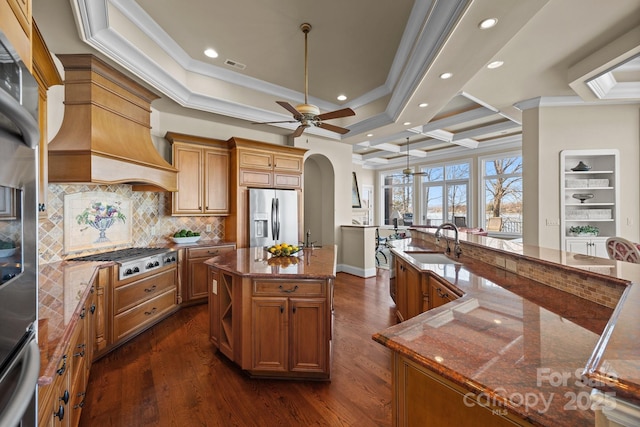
{"x": 397, "y": 199}
{"x": 445, "y": 193}
{"x": 502, "y": 183}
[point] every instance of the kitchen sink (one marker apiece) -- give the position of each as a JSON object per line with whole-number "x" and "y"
{"x": 427, "y": 257}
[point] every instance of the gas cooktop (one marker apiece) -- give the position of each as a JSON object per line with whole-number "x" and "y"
{"x": 120, "y": 255}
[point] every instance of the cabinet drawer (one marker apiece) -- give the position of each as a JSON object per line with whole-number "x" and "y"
{"x": 251, "y": 177}
{"x": 289, "y": 288}
{"x": 289, "y": 181}
{"x": 134, "y": 293}
{"x": 255, "y": 159}
{"x": 287, "y": 163}
{"x": 141, "y": 315}
{"x": 208, "y": 251}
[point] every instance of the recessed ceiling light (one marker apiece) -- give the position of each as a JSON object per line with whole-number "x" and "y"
{"x": 369, "y": 135}
{"x": 406, "y": 123}
{"x": 495, "y": 64}
{"x": 445, "y": 76}
{"x": 422, "y": 105}
{"x": 342, "y": 97}
{"x": 211, "y": 53}
{"x": 488, "y": 23}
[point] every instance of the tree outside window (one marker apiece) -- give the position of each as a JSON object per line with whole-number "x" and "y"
{"x": 397, "y": 196}
{"x": 503, "y": 192}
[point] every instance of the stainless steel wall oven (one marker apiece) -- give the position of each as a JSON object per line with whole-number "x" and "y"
{"x": 19, "y": 138}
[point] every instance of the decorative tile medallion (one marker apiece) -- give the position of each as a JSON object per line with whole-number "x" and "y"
{"x": 94, "y": 220}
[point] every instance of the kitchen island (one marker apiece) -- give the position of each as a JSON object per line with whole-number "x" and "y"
{"x": 516, "y": 343}
{"x": 272, "y": 315}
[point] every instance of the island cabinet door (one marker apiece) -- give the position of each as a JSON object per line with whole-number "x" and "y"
{"x": 270, "y": 334}
{"x": 309, "y": 353}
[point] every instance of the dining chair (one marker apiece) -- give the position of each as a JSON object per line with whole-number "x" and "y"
{"x": 381, "y": 257}
{"x": 622, "y": 249}
{"x": 460, "y": 221}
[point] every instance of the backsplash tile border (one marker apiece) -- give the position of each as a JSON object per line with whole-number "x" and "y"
{"x": 151, "y": 211}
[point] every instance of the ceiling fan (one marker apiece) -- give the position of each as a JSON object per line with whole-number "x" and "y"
{"x": 308, "y": 114}
{"x": 408, "y": 171}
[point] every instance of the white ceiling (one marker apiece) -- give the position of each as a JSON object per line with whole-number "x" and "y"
{"x": 386, "y": 56}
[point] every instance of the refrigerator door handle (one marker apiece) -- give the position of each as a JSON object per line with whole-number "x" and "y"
{"x": 29, "y": 371}
{"x": 277, "y": 235}
{"x": 273, "y": 218}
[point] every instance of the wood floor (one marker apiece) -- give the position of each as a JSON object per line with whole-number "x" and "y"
{"x": 172, "y": 376}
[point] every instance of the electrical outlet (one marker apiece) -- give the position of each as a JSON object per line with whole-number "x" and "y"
{"x": 552, "y": 222}
{"x": 512, "y": 265}
{"x": 629, "y": 221}
{"x": 208, "y": 228}
{"x": 500, "y": 262}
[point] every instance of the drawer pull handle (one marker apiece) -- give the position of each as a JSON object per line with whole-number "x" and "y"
{"x": 281, "y": 309}
{"x": 59, "y": 413}
{"x": 65, "y": 397}
{"x": 149, "y": 313}
{"x": 62, "y": 368}
{"x": 80, "y": 354}
{"x": 151, "y": 289}
{"x": 288, "y": 291}
{"x": 214, "y": 252}
{"x": 441, "y": 294}
{"x": 83, "y": 313}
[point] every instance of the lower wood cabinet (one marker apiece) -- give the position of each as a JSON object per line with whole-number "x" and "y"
{"x": 194, "y": 271}
{"x": 418, "y": 291}
{"x": 272, "y": 327}
{"x": 424, "y": 398}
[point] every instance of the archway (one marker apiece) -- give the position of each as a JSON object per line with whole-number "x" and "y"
{"x": 319, "y": 200}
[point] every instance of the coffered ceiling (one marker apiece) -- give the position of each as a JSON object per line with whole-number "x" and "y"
{"x": 386, "y": 57}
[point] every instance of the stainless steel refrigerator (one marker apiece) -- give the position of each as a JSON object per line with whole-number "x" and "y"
{"x": 273, "y": 216}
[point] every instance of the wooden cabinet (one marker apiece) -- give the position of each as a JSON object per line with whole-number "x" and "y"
{"x": 440, "y": 292}
{"x": 53, "y": 399}
{"x": 224, "y": 324}
{"x": 258, "y": 164}
{"x": 289, "y": 330}
{"x": 589, "y": 196}
{"x": 418, "y": 291}
{"x": 60, "y": 403}
{"x": 424, "y": 398}
{"x": 194, "y": 272}
{"x": 410, "y": 298}
{"x": 260, "y": 168}
{"x": 140, "y": 302}
{"x": 46, "y": 75}
{"x": 203, "y": 175}
{"x": 16, "y": 24}
{"x": 272, "y": 327}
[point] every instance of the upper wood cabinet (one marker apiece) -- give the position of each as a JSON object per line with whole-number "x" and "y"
{"x": 258, "y": 164}
{"x": 46, "y": 75}
{"x": 16, "y": 24}
{"x": 203, "y": 175}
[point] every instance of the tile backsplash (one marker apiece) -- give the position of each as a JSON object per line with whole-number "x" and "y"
{"x": 152, "y": 223}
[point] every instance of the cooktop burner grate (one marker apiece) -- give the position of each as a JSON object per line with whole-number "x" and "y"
{"x": 122, "y": 254}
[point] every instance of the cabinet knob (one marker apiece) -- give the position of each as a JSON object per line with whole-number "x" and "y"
{"x": 65, "y": 398}
{"x": 59, "y": 413}
{"x": 441, "y": 294}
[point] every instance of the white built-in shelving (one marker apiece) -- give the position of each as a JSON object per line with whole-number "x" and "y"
{"x": 601, "y": 183}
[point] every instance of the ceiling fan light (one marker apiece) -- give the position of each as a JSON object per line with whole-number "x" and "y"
{"x": 308, "y": 109}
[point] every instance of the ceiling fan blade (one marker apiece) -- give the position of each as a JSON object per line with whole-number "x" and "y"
{"x": 269, "y": 123}
{"x": 299, "y": 131}
{"x": 345, "y": 112}
{"x": 289, "y": 108}
{"x": 332, "y": 128}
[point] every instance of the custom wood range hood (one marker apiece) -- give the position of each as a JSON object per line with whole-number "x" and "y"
{"x": 105, "y": 134}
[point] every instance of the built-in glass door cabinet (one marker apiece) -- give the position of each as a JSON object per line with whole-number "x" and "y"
{"x": 589, "y": 198}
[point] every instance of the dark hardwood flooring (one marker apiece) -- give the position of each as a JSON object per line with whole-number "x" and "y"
{"x": 172, "y": 376}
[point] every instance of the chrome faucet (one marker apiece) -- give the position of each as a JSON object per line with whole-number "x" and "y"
{"x": 451, "y": 226}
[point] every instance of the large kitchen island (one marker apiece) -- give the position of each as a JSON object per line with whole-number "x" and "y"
{"x": 272, "y": 315}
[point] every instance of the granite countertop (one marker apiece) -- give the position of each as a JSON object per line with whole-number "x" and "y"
{"x": 63, "y": 288}
{"x": 310, "y": 263}
{"x": 514, "y": 337}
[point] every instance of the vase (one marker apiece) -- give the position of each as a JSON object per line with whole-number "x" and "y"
{"x": 102, "y": 225}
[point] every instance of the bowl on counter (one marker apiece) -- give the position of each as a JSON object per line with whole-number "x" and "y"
{"x": 191, "y": 239}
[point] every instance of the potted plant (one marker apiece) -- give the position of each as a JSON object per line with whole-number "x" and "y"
{"x": 584, "y": 230}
